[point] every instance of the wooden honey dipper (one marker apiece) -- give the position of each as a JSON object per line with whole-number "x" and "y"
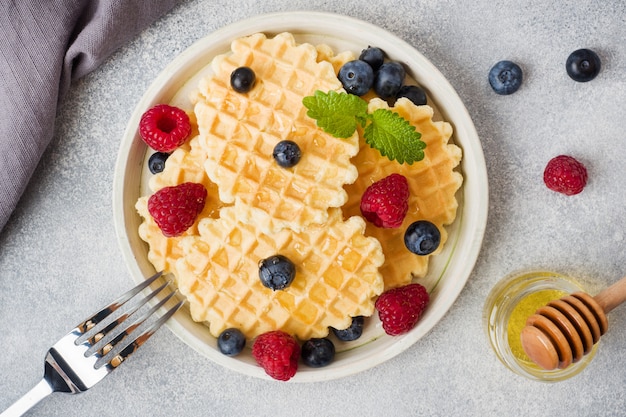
{"x": 565, "y": 330}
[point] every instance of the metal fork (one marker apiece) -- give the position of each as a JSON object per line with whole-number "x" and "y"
{"x": 97, "y": 346}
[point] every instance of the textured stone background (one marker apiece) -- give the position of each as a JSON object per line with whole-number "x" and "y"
{"x": 59, "y": 256}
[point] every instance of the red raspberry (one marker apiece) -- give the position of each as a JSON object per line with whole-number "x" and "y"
{"x": 399, "y": 309}
{"x": 277, "y": 353}
{"x": 164, "y": 127}
{"x": 565, "y": 174}
{"x": 385, "y": 203}
{"x": 175, "y": 209}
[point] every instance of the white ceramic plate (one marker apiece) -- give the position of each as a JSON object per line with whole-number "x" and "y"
{"x": 448, "y": 271}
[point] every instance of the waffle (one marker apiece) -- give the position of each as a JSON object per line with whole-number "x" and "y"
{"x": 183, "y": 165}
{"x": 239, "y": 131}
{"x": 433, "y": 183}
{"x": 337, "y": 275}
{"x": 309, "y": 213}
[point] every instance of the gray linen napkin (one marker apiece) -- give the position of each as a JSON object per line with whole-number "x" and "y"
{"x": 44, "y": 46}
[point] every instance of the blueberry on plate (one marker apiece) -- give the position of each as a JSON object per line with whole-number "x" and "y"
{"x": 231, "y": 342}
{"x": 422, "y": 237}
{"x": 505, "y": 77}
{"x": 356, "y": 77}
{"x": 156, "y": 162}
{"x": 242, "y": 79}
{"x": 388, "y": 80}
{"x": 318, "y": 352}
{"x": 276, "y": 272}
{"x": 287, "y": 153}
{"x": 351, "y": 333}
{"x": 373, "y": 56}
{"x": 583, "y": 65}
{"x": 414, "y": 93}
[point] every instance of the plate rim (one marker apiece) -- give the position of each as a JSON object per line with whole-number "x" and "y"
{"x": 474, "y": 210}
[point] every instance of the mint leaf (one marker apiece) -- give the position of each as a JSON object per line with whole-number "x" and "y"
{"x": 394, "y": 137}
{"x": 336, "y": 113}
{"x": 339, "y": 114}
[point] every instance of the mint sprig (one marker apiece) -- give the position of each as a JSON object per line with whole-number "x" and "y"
{"x": 339, "y": 114}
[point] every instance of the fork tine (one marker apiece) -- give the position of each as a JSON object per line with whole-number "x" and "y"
{"x": 70, "y": 367}
{"x": 89, "y": 323}
{"x": 137, "y": 321}
{"x": 134, "y": 344}
{"x": 116, "y": 323}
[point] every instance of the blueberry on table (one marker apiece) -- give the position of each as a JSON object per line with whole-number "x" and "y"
{"x": 242, "y": 79}
{"x": 373, "y": 56}
{"x": 231, "y": 342}
{"x": 583, "y": 65}
{"x": 422, "y": 237}
{"x": 505, "y": 77}
{"x": 287, "y": 153}
{"x": 276, "y": 272}
{"x": 356, "y": 77}
{"x": 156, "y": 162}
{"x": 388, "y": 80}
{"x": 318, "y": 352}
{"x": 351, "y": 333}
{"x": 414, "y": 93}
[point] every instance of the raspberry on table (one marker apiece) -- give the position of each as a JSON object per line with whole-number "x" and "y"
{"x": 277, "y": 353}
{"x": 564, "y": 174}
{"x": 164, "y": 127}
{"x": 175, "y": 208}
{"x": 385, "y": 202}
{"x": 399, "y": 309}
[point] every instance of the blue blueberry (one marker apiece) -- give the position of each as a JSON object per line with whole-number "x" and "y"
{"x": 231, "y": 342}
{"x": 317, "y": 353}
{"x": 414, "y": 93}
{"x": 388, "y": 80}
{"x": 505, "y": 77}
{"x": 156, "y": 162}
{"x": 276, "y": 272}
{"x": 373, "y": 56}
{"x": 422, "y": 237}
{"x": 242, "y": 79}
{"x": 287, "y": 153}
{"x": 583, "y": 65}
{"x": 356, "y": 77}
{"x": 351, "y": 333}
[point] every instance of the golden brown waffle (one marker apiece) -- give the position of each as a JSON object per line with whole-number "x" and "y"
{"x": 433, "y": 183}
{"x": 337, "y": 276}
{"x": 239, "y": 131}
{"x": 183, "y": 165}
{"x": 266, "y": 210}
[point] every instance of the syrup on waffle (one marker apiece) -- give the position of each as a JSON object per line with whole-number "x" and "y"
{"x": 337, "y": 275}
{"x": 309, "y": 213}
{"x": 183, "y": 165}
{"x": 239, "y": 131}
{"x": 433, "y": 183}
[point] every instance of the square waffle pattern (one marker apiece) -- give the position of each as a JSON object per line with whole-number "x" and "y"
{"x": 337, "y": 276}
{"x": 433, "y": 183}
{"x": 239, "y": 131}
{"x": 183, "y": 165}
{"x": 309, "y": 213}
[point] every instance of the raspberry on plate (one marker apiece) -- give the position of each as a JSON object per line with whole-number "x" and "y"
{"x": 164, "y": 127}
{"x": 174, "y": 209}
{"x": 277, "y": 353}
{"x": 565, "y": 175}
{"x": 399, "y": 309}
{"x": 385, "y": 203}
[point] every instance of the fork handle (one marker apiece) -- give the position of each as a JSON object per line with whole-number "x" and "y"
{"x": 28, "y": 400}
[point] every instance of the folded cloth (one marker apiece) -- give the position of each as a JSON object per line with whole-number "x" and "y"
{"x": 44, "y": 46}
